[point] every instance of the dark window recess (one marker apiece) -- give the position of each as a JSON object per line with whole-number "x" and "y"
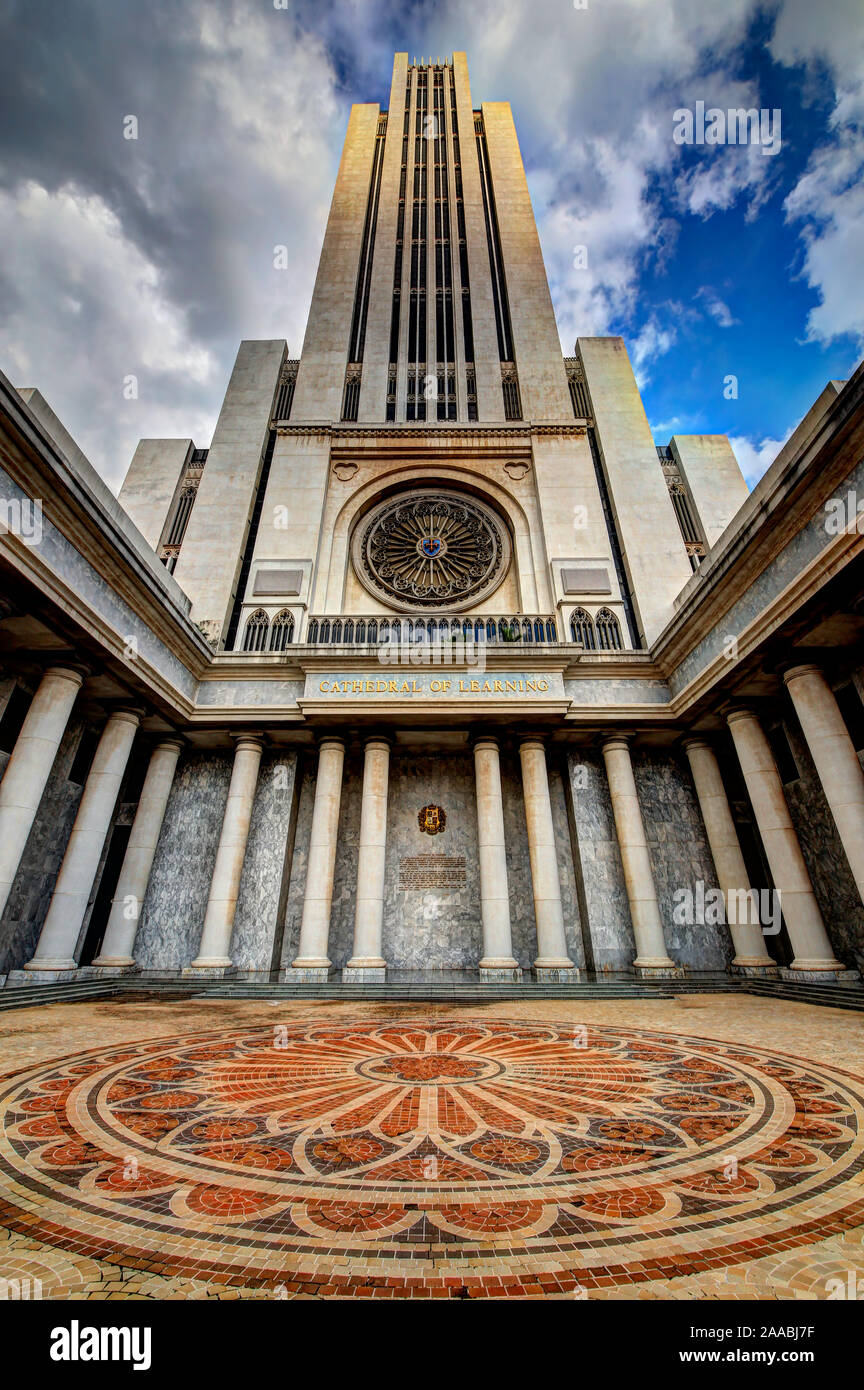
{"x": 84, "y": 755}
{"x": 285, "y": 391}
{"x": 13, "y": 718}
{"x": 105, "y": 893}
{"x": 251, "y": 538}
{"x": 852, "y": 710}
{"x": 367, "y": 251}
{"x": 351, "y": 394}
{"x": 493, "y": 241}
{"x": 614, "y": 542}
{"x": 510, "y": 388}
{"x": 133, "y": 783}
{"x": 185, "y": 503}
{"x": 783, "y": 755}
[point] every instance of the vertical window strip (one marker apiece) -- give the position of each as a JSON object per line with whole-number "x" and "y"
{"x": 462, "y": 245}
{"x": 249, "y": 548}
{"x": 493, "y": 241}
{"x": 614, "y": 542}
{"x": 367, "y": 251}
{"x": 416, "y": 404}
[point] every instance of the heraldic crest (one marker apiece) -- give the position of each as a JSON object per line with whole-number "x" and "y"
{"x": 432, "y": 820}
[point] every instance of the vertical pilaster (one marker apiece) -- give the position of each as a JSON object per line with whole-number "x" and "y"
{"x": 116, "y": 954}
{"x": 59, "y": 937}
{"x": 833, "y": 752}
{"x": 214, "y": 948}
{"x": 751, "y": 958}
{"x": 367, "y": 962}
{"x": 498, "y": 960}
{"x": 813, "y": 953}
{"x": 312, "y": 958}
{"x": 30, "y": 766}
{"x": 552, "y": 961}
{"x": 652, "y": 958}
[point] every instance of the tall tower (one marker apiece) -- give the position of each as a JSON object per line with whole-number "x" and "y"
{"x": 432, "y": 361}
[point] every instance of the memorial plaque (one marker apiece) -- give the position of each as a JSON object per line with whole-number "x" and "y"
{"x": 418, "y": 872}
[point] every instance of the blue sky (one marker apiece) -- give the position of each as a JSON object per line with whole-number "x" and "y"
{"x": 155, "y": 257}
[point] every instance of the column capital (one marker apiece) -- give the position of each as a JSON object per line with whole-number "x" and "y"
{"x": 377, "y": 736}
{"x": 170, "y": 741}
{"x": 616, "y": 741}
{"x": 251, "y": 740}
{"x": 808, "y": 668}
{"x": 741, "y": 712}
{"x": 127, "y": 714}
{"x": 323, "y": 740}
{"x": 689, "y": 741}
{"x": 70, "y": 673}
{"x": 489, "y": 739}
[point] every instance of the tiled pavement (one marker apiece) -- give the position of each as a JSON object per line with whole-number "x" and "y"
{"x": 699, "y": 1147}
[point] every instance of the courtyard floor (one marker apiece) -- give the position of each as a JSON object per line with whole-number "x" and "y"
{"x": 701, "y": 1147}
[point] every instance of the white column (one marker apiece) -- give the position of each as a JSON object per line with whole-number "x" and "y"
{"x": 367, "y": 962}
{"x": 750, "y": 953}
{"x": 652, "y": 958}
{"x": 833, "y": 752}
{"x": 801, "y": 913}
{"x": 30, "y": 766}
{"x": 65, "y": 917}
{"x": 312, "y": 956}
{"x": 498, "y": 959}
{"x": 552, "y": 957}
{"x": 214, "y": 946}
{"x": 119, "y": 940}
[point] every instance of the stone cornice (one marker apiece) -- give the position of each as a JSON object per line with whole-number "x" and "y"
{"x": 425, "y": 432}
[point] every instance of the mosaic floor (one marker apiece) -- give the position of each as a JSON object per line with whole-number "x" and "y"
{"x": 486, "y": 1152}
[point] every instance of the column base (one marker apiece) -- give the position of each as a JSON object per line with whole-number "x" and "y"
{"x": 765, "y": 970}
{"x": 113, "y": 965}
{"x": 493, "y": 970}
{"x": 555, "y": 972}
{"x": 212, "y": 969}
{"x": 364, "y": 974}
{"x": 658, "y": 969}
{"x": 48, "y": 974}
{"x": 306, "y": 974}
{"x": 812, "y": 973}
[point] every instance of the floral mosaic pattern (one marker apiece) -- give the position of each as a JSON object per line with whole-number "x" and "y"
{"x": 392, "y": 1158}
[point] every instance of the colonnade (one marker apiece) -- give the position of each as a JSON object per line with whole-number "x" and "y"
{"x": 30, "y": 765}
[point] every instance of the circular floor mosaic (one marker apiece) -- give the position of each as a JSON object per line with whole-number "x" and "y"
{"x": 412, "y": 1158}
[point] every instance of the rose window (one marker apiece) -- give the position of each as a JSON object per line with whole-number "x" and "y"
{"x": 431, "y": 550}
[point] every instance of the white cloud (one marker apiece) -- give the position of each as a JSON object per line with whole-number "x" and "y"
{"x": 754, "y": 459}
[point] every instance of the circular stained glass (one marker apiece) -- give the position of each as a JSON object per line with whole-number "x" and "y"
{"x": 431, "y": 549}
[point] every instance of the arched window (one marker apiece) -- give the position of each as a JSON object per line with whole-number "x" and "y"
{"x": 551, "y": 630}
{"x": 255, "y": 636}
{"x": 608, "y": 631}
{"x": 336, "y": 636}
{"x": 360, "y": 632}
{"x": 312, "y": 635}
{"x": 282, "y": 631}
{"x": 582, "y": 629}
{"x": 348, "y": 634}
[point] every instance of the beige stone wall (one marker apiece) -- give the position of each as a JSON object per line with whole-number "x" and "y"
{"x": 542, "y": 378}
{"x": 715, "y": 484}
{"x": 321, "y": 375}
{"x": 152, "y": 483}
{"x": 212, "y": 550}
{"x": 650, "y": 537}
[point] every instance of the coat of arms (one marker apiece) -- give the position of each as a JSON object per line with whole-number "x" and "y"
{"x": 432, "y": 820}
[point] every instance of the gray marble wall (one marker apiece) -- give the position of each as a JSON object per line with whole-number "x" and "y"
{"x": 680, "y": 856}
{"x": 31, "y": 892}
{"x": 271, "y": 829}
{"x": 172, "y": 914}
{"x": 603, "y": 896}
